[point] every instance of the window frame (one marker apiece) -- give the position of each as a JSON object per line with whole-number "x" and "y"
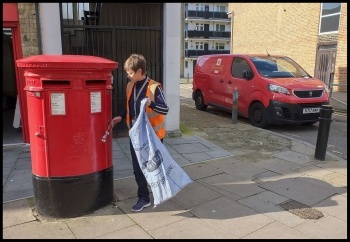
{"x": 239, "y": 70}
{"x": 220, "y": 8}
{"x": 74, "y": 10}
{"x": 218, "y": 45}
{"x": 219, "y": 26}
{"x": 199, "y": 45}
{"x": 200, "y": 7}
{"x": 199, "y": 26}
{"x": 322, "y": 17}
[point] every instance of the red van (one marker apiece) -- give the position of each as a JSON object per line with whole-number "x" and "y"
{"x": 272, "y": 89}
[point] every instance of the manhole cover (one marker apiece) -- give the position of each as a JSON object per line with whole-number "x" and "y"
{"x": 301, "y": 210}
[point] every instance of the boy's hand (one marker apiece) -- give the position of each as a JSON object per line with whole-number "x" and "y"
{"x": 148, "y": 102}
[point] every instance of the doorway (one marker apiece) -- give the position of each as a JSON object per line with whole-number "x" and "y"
{"x": 11, "y": 127}
{"x": 194, "y": 66}
{"x": 325, "y": 62}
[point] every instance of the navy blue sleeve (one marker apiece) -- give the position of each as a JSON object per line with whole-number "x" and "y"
{"x": 123, "y": 114}
{"x": 159, "y": 105}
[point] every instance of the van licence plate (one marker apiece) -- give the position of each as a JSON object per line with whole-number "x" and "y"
{"x": 311, "y": 110}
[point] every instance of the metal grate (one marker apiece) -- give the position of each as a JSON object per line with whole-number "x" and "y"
{"x": 308, "y": 93}
{"x": 115, "y": 31}
{"x": 301, "y": 210}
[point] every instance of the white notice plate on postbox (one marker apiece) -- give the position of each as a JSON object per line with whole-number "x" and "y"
{"x": 58, "y": 104}
{"x": 95, "y": 98}
{"x": 311, "y": 110}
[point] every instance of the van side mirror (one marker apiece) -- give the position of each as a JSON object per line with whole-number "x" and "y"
{"x": 247, "y": 74}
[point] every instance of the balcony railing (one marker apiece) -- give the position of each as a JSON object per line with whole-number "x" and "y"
{"x": 205, "y": 14}
{"x": 207, "y": 34}
{"x": 196, "y": 53}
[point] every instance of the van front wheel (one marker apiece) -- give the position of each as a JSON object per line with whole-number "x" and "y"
{"x": 258, "y": 116}
{"x": 199, "y": 101}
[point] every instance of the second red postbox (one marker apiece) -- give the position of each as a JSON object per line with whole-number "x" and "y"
{"x": 69, "y": 99}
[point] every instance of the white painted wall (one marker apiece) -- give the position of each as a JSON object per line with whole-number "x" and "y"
{"x": 50, "y": 28}
{"x": 172, "y": 38}
{"x": 188, "y": 72}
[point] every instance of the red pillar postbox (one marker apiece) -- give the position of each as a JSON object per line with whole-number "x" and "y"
{"x": 69, "y": 99}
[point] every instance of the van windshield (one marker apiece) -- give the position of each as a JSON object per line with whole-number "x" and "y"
{"x": 278, "y": 67}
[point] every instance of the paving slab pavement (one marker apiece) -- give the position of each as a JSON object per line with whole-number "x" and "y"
{"x": 242, "y": 179}
{"x": 230, "y": 197}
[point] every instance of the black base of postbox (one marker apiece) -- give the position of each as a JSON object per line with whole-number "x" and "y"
{"x": 69, "y": 197}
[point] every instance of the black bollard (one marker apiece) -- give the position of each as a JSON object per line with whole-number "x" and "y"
{"x": 323, "y": 132}
{"x": 234, "y": 106}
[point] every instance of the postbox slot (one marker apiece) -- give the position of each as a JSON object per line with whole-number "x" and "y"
{"x": 95, "y": 83}
{"x": 56, "y": 83}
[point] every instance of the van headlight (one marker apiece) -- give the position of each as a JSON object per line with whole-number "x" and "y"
{"x": 279, "y": 89}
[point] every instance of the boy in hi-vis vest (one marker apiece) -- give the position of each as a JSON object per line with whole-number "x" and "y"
{"x": 139, "y": 87}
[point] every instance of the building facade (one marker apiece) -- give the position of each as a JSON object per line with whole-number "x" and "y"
{"x": 206, "y": 30}
{"x": 313, "y": 34}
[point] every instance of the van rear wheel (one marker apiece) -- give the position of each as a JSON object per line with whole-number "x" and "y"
{"x": 258, "y": 116}
{"x": 199, "y": 101}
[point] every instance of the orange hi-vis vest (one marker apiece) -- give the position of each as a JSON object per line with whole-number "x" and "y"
{"x": 156, "y": 119}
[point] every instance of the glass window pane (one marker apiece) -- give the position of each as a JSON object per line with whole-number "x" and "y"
{"x": 330, "y": 8}
{"x": 81, "y": 8}
{"x": 67, "y": 10}
{"x": 238, "y": 66}
{"x": 78, "y": 8}
{"x": 330, "y": 24}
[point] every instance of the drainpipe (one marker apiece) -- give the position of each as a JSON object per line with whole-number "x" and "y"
{"x": 38, "y": 28}
{"x": 230, "y": 15}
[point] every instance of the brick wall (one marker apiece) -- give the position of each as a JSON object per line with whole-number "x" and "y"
{"x": 286, "y": 28}
{"x": 340, "y": 75}
{"x": 28, "y": 28}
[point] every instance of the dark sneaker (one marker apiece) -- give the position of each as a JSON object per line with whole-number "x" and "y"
{"x": 140, "y": 205}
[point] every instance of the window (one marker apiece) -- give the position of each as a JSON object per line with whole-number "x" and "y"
{"x": 219, "y": 46}
{"x": 330, "y": 18}
{"x": 199, "y": 7}
{"x": 69, "y": 10}
{"x": 238, "y": 66}
{"x": 220, "y": 27}
{"x": 199, "y": 27}
{"x": 221, "y": 9}
{"x": 186, "y": 64}
{"x": 278, "y": 67}
{"x": 199, "y": 46}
